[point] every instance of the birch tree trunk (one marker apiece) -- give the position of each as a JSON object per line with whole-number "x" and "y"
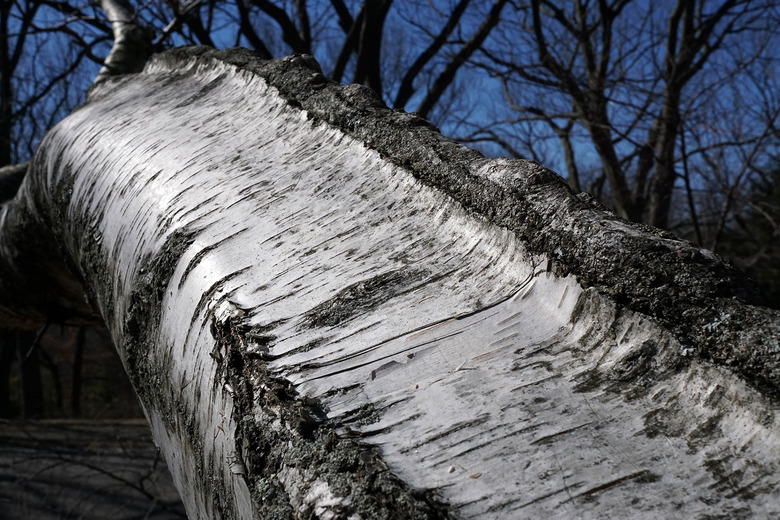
{"x": 330, "y": 311}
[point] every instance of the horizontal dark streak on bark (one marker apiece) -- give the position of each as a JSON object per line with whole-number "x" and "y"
{"x": 523, "y": 430}
{"x": 534, "y": 383}
{"x": 279, "y": 235}
{"x": 535, "y": 364}
{"x": 361, "y": 353}
{"x": 503, "y": 505}
{"x": 327, "y": 342}
{"x": 548, "y": 439}
{"x": 366, "y": 432}
{"x": 644, "y": 474}
{"x": 195, "y": 208}
{"x": 449, "y": 431}
{"x": 290, "y": 216}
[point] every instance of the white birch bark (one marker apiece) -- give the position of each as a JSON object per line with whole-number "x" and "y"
{"x": 330, "y": 311}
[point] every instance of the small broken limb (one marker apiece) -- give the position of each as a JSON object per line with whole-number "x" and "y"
{"x": 229, "y": 389}
{"x": 216, "y": 355}
{"x": 235, "y": 464}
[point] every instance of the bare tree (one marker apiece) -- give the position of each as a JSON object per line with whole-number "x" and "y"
{"x": 437, "y": 41}
{"x": 621, "y": 80}
{"x": 750, "y": 235}
{"x": 12, "y": 43}
{"x": 49, "y": 53}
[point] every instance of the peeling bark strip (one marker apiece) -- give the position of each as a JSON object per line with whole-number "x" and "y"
{"x": 331, "y": 311}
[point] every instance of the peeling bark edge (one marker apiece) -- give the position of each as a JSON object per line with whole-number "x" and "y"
{"x": 715, "y": 310}
{"x": 352, "y": 474}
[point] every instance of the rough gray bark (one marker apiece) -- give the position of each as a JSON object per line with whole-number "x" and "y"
{"x": 329, "y": 310}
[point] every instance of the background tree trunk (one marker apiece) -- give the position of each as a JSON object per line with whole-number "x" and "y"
{"x": 329, "y": 310}
{"x": 32, "y": 390}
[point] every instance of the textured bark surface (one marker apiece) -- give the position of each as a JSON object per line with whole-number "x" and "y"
{"x": 329, "y": 310}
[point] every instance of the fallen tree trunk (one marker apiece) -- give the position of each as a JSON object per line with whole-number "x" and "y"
{"x": 330, "y": 311}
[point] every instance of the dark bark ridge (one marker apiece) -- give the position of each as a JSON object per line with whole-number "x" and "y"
{"x": 710, "y": 306}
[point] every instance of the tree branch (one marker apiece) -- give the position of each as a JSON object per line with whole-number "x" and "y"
{"x": 132, "y": 42}
{"x": 290, "y": 33}
{"x": 448, "y": 74}
{"x": 406, "y": 89}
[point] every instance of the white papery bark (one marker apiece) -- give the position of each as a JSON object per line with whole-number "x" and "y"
{"x": 330, "y": 311}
